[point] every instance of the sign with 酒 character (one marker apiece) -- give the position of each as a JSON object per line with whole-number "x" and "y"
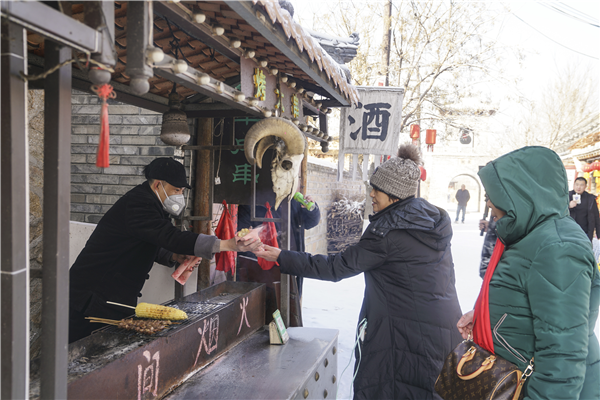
{"x": 372, "y": 125}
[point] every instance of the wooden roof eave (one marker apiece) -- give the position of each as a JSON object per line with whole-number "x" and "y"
{"x": 279, "y": 39}
{"x": 179, "y": 15}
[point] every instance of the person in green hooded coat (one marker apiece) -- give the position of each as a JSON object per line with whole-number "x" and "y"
{"x": 544, "y": 293}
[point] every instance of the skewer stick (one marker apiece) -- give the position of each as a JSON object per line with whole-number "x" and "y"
{"x": 119, "y": 304}
{"x": 103, "y": 320}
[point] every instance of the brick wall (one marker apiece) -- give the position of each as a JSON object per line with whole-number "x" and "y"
{"x": 134, "y": 142}
{"x": 322, "y": 185}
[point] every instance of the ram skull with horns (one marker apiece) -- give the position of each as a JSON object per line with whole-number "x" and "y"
{"x": 289, "y": 144}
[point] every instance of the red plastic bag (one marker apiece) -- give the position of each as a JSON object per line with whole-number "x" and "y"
{"x": 225, "y": 260}
{"x": 268, "y": 235}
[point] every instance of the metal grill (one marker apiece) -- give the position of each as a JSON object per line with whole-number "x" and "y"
{"x": 194, "y": 310}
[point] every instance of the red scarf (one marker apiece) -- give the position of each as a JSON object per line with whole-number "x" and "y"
{"x": 482, "y": 329}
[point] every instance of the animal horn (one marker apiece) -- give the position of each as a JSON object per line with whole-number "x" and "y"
{"x": 274, "y": 126}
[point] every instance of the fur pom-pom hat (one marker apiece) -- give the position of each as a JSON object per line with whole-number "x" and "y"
{"x": 399, "y": 175}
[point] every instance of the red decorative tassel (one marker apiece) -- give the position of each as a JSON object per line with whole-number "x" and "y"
{"x": 104, "y": 92}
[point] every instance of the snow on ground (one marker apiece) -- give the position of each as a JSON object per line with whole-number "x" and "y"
{"x": 337, "y": 305}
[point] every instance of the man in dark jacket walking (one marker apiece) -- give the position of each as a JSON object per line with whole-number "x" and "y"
{"x": 410, "y": 303}
{"x": 462, "y": 197}
{"x": 131, "y": 236}
{"x": 584, "y": 209}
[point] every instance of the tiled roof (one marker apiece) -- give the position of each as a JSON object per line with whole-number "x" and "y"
{"x": 204, "y": 59}
{"x": 308, "y": 44}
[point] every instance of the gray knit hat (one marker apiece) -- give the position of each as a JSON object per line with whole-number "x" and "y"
{"x": 397, "y": 176}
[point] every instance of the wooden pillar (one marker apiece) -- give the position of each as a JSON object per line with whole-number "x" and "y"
{"x": 304, "y": 172}
{"x": 203, "y": 194}
{"x": 57, "y": 206}
{"x": 14, "y": 173}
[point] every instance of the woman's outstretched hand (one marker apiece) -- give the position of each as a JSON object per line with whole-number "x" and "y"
{"x": 267, "y": 252}
{"x": 465, "y": 324}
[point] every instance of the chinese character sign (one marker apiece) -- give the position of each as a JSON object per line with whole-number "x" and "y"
{"x": 371, "y": 126}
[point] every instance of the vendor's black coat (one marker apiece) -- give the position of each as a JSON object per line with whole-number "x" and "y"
{"x": 410, "y": 300}
{"x": 116, "y": 259}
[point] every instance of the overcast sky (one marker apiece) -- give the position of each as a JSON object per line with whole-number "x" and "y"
{"x": 551, "y": 39}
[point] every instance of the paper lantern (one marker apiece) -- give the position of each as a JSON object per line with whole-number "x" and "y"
{"x": 430, "y": 138}
{"x": 415, "y": 132}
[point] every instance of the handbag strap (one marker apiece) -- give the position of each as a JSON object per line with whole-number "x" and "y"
{"x": 468, "y": 356}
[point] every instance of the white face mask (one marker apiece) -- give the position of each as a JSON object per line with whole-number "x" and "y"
{"x": 175, "y": 204}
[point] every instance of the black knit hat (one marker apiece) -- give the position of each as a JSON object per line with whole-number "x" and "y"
{"x": 169, "y": 170}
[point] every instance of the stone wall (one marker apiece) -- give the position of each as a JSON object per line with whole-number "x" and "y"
{"x": 35, "y": 119}
{"x": 322, "y": 185}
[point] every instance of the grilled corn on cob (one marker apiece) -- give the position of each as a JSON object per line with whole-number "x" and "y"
{"x": 154, "y": 311}
{"x": 243, "y": 232}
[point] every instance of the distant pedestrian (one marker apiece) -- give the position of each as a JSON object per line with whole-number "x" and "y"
{"x": 462, "y": 197}
{"x": 583, "y": 208}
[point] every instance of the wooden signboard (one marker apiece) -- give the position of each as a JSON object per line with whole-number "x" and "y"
{"x": 258, "y": 82}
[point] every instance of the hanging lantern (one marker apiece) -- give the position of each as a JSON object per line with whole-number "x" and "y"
{"x": 596, "y": 165}
{"x": 430, "y": 138}
{"x": 464, "y": 137}
{"x": 415, "y": 132}
{"x": 175, "y": 130}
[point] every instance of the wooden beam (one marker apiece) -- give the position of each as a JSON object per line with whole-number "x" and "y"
{"x": 50, "y": 23}
{"x": 179, "y": 15}
{"x": 217, "y": 90}
{"x": 203, "y": 194}
{"x": 14, "y": 173}
{"x": 57, "y": 208}
{"x": 278, "y": 38}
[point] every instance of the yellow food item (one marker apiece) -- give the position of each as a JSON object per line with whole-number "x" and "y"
{"x": 243, "y": 232}
{"x": 155, "y": 311}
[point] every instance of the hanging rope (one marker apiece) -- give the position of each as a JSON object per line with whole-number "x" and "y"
{"x": 105, "y": 92}
{"x": 44, "y": 74}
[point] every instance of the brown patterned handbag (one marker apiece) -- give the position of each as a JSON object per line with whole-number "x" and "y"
{"x": 471, "y": 372}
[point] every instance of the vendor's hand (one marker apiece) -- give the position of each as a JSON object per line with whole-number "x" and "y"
{"x": 465, "y": 324}
{"x": 483, "y": 225}
{"x": 572, "y": 204}
{"x": 267, "y": 252}
{"x": 247, "y": 243}
{"x": 181, "y": 258}
{"x": 309, "y": 198}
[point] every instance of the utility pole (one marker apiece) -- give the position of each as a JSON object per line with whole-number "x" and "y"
{"x": 386, "y": 43}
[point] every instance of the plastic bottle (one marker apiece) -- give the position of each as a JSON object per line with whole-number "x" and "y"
{"x": 300, "y": 199}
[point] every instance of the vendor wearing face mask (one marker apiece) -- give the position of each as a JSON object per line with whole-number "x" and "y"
{"x": 136, "y": 232}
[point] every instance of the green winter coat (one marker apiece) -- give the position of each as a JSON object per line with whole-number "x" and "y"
{"x": 545, "y": 292}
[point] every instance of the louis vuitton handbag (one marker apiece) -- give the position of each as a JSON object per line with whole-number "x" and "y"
{"x": 471, "y": 372}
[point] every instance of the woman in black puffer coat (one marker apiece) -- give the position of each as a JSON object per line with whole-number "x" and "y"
{"x": 410, "y": 300}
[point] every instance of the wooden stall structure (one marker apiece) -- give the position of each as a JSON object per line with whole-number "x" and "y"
{"x": 224, "y": 59}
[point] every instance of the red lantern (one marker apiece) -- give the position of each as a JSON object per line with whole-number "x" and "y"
{"x": 596, "y": 165}
{"x": 586, "y": 168}
{"x": 415, "y": 132}
{"x": 430, "y": 138}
